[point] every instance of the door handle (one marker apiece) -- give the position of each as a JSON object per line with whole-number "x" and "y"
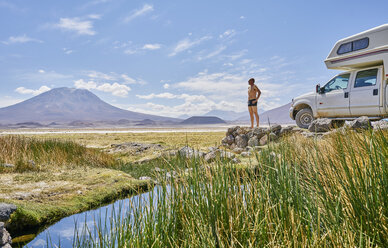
{"x": 375, "y": 92}
{"x": 346, "y": 95}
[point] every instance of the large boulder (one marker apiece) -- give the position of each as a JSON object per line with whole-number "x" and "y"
{"x": 254, "y": 141}
{"x": 6, "y": 210}
{"x": 231, "y": 130}
{"x": 241, "y": 140}
{"x": 362, "y": 122}
{"x": 264, "y": 140}
{"x": 189, "y": 152}
{"x": 383, "y": 125}
{"x": 321, "y": 125}
{"x": 5, "y": 238}
{"x": 275, "y": 128}
{"x": 259, "y": 132}
{"x": 286, "y": 130}
{"x": 228, "y": 140}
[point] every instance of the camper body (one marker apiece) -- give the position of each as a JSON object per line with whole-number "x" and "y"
{"x": 361, "y": 90}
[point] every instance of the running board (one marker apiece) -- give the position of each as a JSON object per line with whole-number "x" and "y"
{"x": 353, "y": 118}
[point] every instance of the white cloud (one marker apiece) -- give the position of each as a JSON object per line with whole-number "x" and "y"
{"x": 41, "y": 71}
{"x": 116, "y": 89}
{"x": 213, "y": 54}
{"x": 186, "y": 43}
{"x": 20, "y": 39}
{"x": 152, "y": 46}
{"x": 7, "y": 101}
{"x": 130, "y": 51}
{"x": 67, "y": 51}
{"x": 81, "y": 84}
{"x": 94, "y": 16}
{"x": 242, "y": 17}
{"x": 166, "y": 86}
{"x": 81, "y": 27}
{"x": 112, "y": 77}
{"x": 228, "y": 33}
{"x": 24, "y": 91}
{"x": 147, "y": 8}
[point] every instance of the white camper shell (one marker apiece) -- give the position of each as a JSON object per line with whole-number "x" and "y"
{"x": 361, "y": 90}
{"x": 365, "y": 49}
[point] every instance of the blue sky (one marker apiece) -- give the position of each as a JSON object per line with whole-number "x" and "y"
{"x": 174, "y": 57}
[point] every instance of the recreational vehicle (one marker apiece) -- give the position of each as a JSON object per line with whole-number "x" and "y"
{"x": 360, "y": 90}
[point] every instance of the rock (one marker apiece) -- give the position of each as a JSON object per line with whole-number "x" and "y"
{"x": 362, "y": 122}
{"x": 245, "y": 154}
{"x": 211, "y": 156}
{"x": 232, "y": 146}
{"x": 259, "y": 132}
{"x": 7, "y": 165}
{"x": 236, "y": 161}
{"x": 241, "y": 141}
{"x": 227, "y": 155}
{"x": 31, "y": 162}
{"x": 133, "y": 148}
{"x": 5, "y": 237}
{"x": 273, "y": 137}
{"x": 312, "y": 135}
{"x": 258, "y": 148}
{"x": 212, "y": 149}
{"x": 6, "y": 210}
{"x": 382, "y": 124}
{"x": 145, "y": 178}
{"x": 157, "y": 169}
{"x": 254, "y": 141}
{"x": 321, "y": 125}
{"x": 238, "y": 150}
{"x": 275, "y": 128}
{"x": 286, "y": 130}
{"x": 186, "y": 151}
{"x": 231, "y": 130}
{"x": 228, "y": 140}
{"x": 264, "y": 140}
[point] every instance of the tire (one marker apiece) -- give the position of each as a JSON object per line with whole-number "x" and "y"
{"x": 304, "y": 117}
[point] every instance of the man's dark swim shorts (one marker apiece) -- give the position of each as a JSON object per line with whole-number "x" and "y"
{"x": 252, "y": 103}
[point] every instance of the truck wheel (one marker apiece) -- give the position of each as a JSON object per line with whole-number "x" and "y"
{"x": 304, "y": 117}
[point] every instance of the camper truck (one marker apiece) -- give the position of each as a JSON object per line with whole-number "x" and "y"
{"x": 360, "y": 90}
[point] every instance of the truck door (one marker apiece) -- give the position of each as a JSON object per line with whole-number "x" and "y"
{"x": 365, "y": 93}
{"x": 333, "y": 100}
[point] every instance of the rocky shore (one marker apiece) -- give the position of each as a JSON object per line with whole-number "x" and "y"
{"x": 5, "y": 212}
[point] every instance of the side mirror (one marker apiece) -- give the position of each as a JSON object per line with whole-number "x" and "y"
{"x": 318, "y": 89}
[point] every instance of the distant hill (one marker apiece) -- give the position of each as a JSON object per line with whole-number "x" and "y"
{"x": 196, "y": 120}
{"x": 225, "y": 115}
{"x": 78, "y": 107}
{"x": 278, "y": 115}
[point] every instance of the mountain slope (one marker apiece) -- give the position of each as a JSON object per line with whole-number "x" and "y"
{"x": 66, "y": 105}
{"x": 225, "y": 115}
{"x": 197, "y": 120}
{"x": 278, "y": 115}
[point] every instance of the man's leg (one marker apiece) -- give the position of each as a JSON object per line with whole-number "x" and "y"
{"x": 256, "y": 114}
{"x": 251, "y": 115}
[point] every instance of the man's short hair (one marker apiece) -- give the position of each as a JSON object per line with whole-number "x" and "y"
{"x": 251, "y": 79}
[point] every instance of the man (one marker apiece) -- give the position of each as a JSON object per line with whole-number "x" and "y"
{"x": 253, "y": 96}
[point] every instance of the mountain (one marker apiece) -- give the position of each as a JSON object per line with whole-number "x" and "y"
{"x": 195, "y": 120}
{"x": 225, "y": 115}
{"x": 278, "y": 115}
{"x": 70, "y": 105}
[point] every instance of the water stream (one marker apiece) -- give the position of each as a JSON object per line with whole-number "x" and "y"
{"x": 63, "y": 231}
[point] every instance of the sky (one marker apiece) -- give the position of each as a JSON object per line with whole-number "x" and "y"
{"x": 175, "y": 57}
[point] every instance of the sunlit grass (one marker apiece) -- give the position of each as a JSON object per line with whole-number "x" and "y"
{"x": 298, "y": 193}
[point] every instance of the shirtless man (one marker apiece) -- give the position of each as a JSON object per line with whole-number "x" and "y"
{"x": 253, "y": 96}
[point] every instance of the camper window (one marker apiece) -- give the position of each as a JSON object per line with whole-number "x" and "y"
{"x": 360, "y": 44}
{"x": 353, "y": 46}
{"x": 345, "y": 48}
{"x": 366, "y": 78}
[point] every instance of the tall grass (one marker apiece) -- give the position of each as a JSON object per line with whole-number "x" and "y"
{"x": 28, "y": 154}
{"x": 298, "y": 193}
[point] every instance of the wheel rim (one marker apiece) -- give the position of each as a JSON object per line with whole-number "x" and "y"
{"x": 306, "y": 119}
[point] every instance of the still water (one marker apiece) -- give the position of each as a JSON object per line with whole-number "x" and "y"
{"x": 63, "y": 231}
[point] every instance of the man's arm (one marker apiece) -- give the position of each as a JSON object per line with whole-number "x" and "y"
{"x": 258, "y": 93}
